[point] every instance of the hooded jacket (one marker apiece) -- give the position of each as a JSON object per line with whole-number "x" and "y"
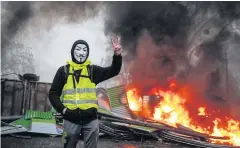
{"x": 98, "y": 74}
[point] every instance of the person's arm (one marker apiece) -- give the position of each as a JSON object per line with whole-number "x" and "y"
{"x": 56, "y": 90}
{"x": 100, "y": 74}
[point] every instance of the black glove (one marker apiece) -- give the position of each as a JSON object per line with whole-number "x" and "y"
{"x": 71, "y": 115}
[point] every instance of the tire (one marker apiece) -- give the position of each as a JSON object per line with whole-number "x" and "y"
{"x": 31, "y": 77}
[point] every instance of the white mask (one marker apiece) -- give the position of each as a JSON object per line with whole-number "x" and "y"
{"x": 80, "y": 53}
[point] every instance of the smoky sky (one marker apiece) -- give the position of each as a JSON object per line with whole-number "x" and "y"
{"x": 21, "y": 12}
{"x": 183, "y": 25}
{"x": 179, "y": 24}
{"x": 129, "y": 19}
{"x": 171, "y": 19}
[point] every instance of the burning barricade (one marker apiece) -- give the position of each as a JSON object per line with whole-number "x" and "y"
{"x": 170, "y": 107}
{"x": 166, "y": 113}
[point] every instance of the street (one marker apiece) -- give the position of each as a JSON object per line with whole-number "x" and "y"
{"x": 55, "y": 142}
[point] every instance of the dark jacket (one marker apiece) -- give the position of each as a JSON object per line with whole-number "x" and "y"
{"x": 99, "y": 74}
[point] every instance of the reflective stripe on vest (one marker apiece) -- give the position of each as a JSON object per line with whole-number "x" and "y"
{"x": 79, "y": 90}
{"x": 80, "y": 101}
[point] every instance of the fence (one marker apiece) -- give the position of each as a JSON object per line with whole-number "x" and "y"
{"x": 12, "y": 97}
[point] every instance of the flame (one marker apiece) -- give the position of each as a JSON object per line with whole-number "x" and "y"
{"x": 201, "y": 111}
{"x": 172, "y": 110}
{"x": 134, "y": 101}
{"x": 232, "y": 130}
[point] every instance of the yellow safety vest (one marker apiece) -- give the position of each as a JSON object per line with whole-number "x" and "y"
{"x": 84, "y": 95}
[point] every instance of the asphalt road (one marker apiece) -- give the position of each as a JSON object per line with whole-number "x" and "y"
{"x": 55, "y": 142}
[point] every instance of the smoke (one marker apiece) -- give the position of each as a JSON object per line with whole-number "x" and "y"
{"x": 49, "y": 30}
{"x": 187, "y": 41}
{"x": 160, "y": 19}
{"x": 12, "y": 21}
{"x": 52, "y": 13}
{"x": 16, "y": 14}
{"x": 174, "y": 20}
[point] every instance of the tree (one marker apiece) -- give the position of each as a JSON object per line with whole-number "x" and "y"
{"x": 17, "y": 59}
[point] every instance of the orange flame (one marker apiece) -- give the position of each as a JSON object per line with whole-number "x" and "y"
{"x": 134, "y": 101}
{"x": 201, "y": 111}
{"x": 171, "y": 109}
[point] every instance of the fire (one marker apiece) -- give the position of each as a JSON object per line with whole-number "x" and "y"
{"x": 134, "y": 101}
{"x": 232, "y": 130}
{"x": 172, "y": 110}
{"x": 201, "y": 111}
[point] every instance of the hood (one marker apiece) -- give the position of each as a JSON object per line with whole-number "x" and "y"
{"x": 74, "y": 45}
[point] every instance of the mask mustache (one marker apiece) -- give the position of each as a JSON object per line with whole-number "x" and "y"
{"x": 81, "y": 56}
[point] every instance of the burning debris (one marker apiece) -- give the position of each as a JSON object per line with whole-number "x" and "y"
{"x": 173, "y": 109}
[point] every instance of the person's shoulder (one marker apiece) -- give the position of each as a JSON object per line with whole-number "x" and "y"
{"x": 94, "y": 66}
{"x": 61, "y": 69}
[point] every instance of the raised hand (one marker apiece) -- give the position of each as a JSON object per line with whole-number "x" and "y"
{"x": 116, "y": 45}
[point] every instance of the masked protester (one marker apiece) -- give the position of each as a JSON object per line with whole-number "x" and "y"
{"x": 76, "y": 83}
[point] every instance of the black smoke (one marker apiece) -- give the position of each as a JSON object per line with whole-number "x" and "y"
{"x": 160, "y": 19}
{"x": 20, "y": 12}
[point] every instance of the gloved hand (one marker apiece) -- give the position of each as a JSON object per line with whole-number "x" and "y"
{"x": 71, "y": 115}
{"x": 79, "y": 115}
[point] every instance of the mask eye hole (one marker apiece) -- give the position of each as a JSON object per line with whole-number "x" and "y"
{"x": 77, "y": 48}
